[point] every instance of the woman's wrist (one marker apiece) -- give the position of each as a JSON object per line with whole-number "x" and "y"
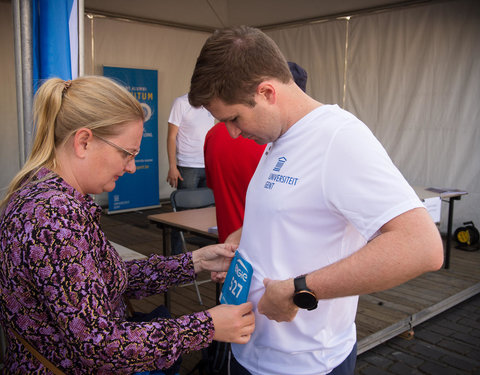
{"x": 197, "y": 261}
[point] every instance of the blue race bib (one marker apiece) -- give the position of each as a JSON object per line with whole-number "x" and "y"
{"x": 237, "y": 283}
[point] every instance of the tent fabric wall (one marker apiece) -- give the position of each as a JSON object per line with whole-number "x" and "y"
{"x": 9, "y": 150}
{"x": 320, "y": 50}
{"x": 413, "y": 76}
{"x": 173, "y": 52}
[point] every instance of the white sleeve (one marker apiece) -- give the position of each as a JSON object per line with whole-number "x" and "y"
{"x": 177, "y": 111}
{"x": 361, "y": 181}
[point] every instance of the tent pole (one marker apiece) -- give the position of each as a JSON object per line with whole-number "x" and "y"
{"x": 18, "y": 79}
{"x": 81, "y": 38}
{"x": 27, "y": 74}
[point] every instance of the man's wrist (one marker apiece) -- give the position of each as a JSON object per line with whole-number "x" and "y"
{"x": 303, "y": 296}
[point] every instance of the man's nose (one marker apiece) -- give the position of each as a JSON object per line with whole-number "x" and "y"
{"x": 233, "y": 130}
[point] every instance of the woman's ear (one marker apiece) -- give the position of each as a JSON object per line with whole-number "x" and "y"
{"x": 81, "y": 141}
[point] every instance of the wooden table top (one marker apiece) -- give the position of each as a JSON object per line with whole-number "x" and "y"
{"x": 198, "y": 220}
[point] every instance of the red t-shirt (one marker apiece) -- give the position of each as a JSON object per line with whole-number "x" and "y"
{"x": 229, "y": 166}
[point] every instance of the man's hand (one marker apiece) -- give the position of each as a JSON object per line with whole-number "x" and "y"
{"x": 173, "y": 173}
{"x": 277, "y": 301}
{"x": 234, "y": 237}
{"x": 173, "y": 177}
{"x": 233, "y": 323}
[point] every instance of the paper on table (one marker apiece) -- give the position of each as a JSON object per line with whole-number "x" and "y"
{"x": 445, "y": 190}
{"x": 434, "y": 208}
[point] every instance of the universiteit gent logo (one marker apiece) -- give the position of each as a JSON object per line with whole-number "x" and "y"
{"x": 281, "y": 161}
{"x": 275, "y": 177}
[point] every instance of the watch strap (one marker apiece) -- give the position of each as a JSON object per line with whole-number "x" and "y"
{"x": 300, "y": 283}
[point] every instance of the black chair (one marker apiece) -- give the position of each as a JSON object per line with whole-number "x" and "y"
{"x": 186, "y": 199}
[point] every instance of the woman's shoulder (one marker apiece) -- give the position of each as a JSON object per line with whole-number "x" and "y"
{"x": 43, "y": 198}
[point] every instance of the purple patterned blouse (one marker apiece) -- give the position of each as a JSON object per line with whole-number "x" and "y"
{"x": 62, "y": 285}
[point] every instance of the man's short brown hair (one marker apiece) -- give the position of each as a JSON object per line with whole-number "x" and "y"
{"x": 231, "y": 65}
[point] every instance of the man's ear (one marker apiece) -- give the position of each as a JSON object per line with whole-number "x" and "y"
{"x": 81, "y": 141}
{"x": 267, "y": 90}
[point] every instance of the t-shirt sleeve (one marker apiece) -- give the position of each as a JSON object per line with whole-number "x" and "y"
{"x": 177, "y": 111}
{"x": 362, "y": 182}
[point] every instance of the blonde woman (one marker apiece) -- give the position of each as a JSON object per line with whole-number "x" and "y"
{"x": 61, "y": 281}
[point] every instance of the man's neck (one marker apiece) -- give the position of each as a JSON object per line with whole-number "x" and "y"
{"x": 297, "y": 106}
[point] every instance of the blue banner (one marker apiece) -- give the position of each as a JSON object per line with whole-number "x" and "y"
{"x": 141, "y": 189}
{"x": 55, "y": 40}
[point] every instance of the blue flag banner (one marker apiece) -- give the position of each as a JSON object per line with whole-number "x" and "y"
{"x": 54, "y": 40}
{"x": 141, "y": 189}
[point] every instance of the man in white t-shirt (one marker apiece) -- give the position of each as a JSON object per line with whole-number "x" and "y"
{"x": 328, "y": 216}
{"x": 187, "y": 128}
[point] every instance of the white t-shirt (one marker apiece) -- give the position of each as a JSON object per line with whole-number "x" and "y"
{"x": 320, "y": 192}
{"x": 193, "y": 124}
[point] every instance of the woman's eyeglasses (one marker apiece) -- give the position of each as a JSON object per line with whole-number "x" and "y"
{"x": 129, "y": 155}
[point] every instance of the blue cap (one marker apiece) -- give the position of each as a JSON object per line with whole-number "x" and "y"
{"x": 299, "y": 75}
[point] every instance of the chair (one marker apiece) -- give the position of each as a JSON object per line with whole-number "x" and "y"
{"x": 186, "y": 199}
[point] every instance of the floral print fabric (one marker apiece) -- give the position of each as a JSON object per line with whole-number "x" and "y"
{"x": 62, "y": 285}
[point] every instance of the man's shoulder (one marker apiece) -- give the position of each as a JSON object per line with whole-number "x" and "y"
{"x": 181, "y": 100}
{"x": 216, "y": 132}
{"x": 218, "y": 129}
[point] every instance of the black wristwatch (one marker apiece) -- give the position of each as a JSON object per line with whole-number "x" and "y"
{"x": 304, "y": 297}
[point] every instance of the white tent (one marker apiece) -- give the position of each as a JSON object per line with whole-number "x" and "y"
{"x": 411, "y": 71}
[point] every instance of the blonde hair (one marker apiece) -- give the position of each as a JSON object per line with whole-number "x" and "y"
{"x": 62, "y": 107}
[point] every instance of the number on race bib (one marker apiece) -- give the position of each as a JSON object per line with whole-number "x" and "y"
{"x": 237, "y": 282}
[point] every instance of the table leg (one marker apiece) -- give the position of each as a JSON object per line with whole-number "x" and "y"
{"x": 217, "y": 292}
{"x": 449, "y": 231}
{"x": 164, "y": 240}
{"x": 166, "y": 251}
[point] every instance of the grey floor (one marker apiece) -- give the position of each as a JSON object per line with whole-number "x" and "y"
{"x": 448, "y": 344}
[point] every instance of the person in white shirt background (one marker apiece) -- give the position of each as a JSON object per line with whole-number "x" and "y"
{"x": 187, "y": 127}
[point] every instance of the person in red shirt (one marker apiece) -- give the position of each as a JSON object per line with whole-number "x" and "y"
{"x": 229, "y": 166}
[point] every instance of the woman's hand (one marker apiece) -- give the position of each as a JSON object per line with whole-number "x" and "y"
{"x": 214, "y": 258}
{"x": 233, "y": 323}
{"x": 218, "y": 277}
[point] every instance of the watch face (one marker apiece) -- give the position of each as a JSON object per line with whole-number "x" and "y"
{"x": 305, "y": 300}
